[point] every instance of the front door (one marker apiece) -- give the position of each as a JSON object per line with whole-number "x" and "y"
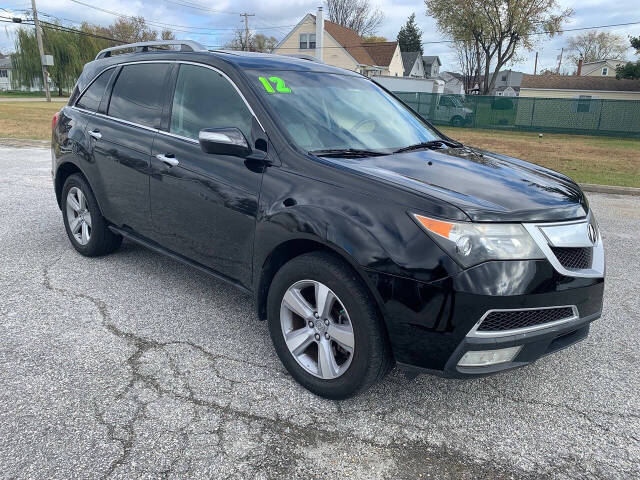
{"x": 204, "y": 206}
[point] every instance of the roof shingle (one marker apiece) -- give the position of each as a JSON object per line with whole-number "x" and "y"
{"x": 381, "y": 52}
{"x": 573, "y": 82}
{"x": 408, "y": 60}
{"x": 350, "y": 41}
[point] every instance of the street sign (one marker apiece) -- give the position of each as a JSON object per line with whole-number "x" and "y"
{"x": 47, "y": 60}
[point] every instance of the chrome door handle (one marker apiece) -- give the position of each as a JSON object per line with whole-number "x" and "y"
{"x": 171, "y": 161}
{"x": 95, "y": 134}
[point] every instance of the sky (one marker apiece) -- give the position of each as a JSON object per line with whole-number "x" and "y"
{"x": 215, "y": 24}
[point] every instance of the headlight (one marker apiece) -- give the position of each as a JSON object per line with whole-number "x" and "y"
{"x": 473, "y": 243}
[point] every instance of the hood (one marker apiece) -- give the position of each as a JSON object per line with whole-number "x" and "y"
{"x": 484, "y": 185}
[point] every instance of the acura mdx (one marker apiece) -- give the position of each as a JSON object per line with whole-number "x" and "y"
{"x": 367, "y": 237}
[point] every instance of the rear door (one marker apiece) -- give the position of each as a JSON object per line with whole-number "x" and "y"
{"x": 204, "y": 206}
{"x": 122, "y": 135}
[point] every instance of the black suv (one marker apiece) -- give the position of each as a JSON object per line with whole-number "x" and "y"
{"x": 367, "y": 237}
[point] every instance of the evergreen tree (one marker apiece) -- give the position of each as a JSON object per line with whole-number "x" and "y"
{"x": 629, "y": 70}
{"x": 410, "y": 36}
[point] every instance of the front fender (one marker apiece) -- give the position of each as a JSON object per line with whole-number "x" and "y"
{"x": 372, "y": 235}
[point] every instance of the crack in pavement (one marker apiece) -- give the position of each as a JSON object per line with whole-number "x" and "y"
{"x": 278, "y": 424}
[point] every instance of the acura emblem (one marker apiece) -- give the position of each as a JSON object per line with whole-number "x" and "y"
{"x": 592, "y": 233}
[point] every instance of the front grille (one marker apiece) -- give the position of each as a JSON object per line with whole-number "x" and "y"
{"x": 576, "y": 258}
{"x": 511, "y": 320}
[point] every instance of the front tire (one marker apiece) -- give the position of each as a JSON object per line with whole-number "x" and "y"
{"x": 325, "y": 328}
{"x": 86, "y": 228}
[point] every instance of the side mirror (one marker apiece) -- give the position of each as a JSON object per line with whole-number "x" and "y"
{"x": 224, "y": 141}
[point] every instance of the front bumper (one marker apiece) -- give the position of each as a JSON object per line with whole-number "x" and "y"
{"x": 428, "y": 324}
{"x": 533, "y": 346}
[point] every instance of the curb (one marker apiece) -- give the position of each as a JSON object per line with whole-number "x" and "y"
{"x": 591, "y": 187}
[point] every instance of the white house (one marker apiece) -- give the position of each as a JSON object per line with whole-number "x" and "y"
{"x": 341, "y": 47}
{"x": 507, "y": 83}
{"x": 453, "y": 83}
{"x": 413, "y": 66}
{"x": 5, "y": 72}
{"x": 432, "y": 65}
{"x": 602, "y": 68}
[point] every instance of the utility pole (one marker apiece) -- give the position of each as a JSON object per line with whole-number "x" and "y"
{"x": 45, "y": 75}
{"x": 246, "y": 28}
{"x": 559, "y": 60}
{"x": 535, "y": 65}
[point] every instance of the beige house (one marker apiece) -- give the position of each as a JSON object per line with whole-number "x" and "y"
{"x": 340, "y": 47}
{"x": 602, "y": 68}
{"x": 579, "y": 87}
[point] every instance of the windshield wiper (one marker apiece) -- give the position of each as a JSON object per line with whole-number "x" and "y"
{"x": 430, "y": 144}
{"x": 347, "y": 152}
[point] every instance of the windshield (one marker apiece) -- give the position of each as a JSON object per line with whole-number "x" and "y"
{"x": 456, "y": 102}
{"x": 326, "y": 111}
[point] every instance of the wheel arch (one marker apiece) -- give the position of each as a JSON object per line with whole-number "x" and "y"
{"x": 292, "y": 248}
{"x": 64, "y": 171}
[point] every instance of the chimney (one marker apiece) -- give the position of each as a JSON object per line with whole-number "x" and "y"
{"x": 319, "y": 33}
{"x": 579, "y": 67}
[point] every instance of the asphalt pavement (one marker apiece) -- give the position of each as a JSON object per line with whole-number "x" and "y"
{"x": 132, "y": 365}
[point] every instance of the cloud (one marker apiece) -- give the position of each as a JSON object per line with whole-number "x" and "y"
{"x": 277, "y": 17}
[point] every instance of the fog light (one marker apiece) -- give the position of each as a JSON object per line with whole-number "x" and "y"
{"x": 483, "y": 358}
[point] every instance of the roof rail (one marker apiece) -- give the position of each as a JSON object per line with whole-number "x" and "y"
{"x": 185, "y": 46}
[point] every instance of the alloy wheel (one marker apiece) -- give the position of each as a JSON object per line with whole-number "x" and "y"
{"x": 78, "y": 216}
{"x": 317, "y": 329}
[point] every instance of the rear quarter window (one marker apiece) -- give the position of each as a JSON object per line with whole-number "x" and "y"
{"x": 92, "y": 96}
{"x": 137, "y": 94}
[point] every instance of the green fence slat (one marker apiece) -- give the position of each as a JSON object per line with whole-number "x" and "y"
{"x": 620, "y": 118}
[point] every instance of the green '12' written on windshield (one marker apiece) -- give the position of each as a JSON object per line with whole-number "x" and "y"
{"x": 280, "y": 87}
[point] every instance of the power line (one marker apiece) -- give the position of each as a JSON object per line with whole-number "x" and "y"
{"x": 155, "y": 23}
{"x": 63, "y": 28}
{"x": 546, "y": 32}
{"x": 196, "y": 6}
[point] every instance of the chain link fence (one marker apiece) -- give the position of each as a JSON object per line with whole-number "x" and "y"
{"x": 619, "y": 118}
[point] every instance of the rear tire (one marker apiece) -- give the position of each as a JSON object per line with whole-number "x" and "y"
{"x": 457, "y": 121}
{"x": 86, "y": 228}
{"x": 357, "y": 369}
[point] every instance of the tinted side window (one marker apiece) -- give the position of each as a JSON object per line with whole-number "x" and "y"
{"x": 137, "y": 94}
{"x": 90, "y": 99}
{"x": 205, "y": 99}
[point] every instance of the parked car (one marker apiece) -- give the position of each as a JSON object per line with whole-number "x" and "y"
{"x": 366, "y": 237}
{"x": 451, "y": 110}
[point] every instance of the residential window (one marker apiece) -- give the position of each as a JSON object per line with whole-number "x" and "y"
{"x": 504, "y": 78}
{"x": 4, "y": 73}
{"x": 605, "y": 71}
{"x": 307, "y": 41}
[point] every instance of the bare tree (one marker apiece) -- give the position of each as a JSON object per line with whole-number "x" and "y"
{"x": 500, "y": 27}
{"x": 594, "y": 46}
{"x": 470, "y": 59}
{"x": 257, "y": 42}
{"x": 359, "y": 15}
